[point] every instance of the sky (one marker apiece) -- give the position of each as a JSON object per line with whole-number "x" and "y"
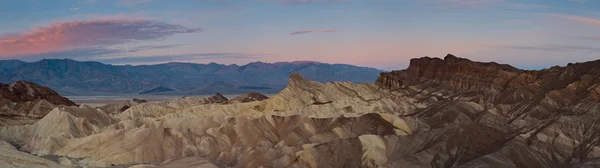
{"x": 383, "y": 34}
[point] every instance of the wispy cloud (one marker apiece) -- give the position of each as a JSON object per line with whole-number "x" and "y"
{"x": 552, "y": 47}
{"x": 577, "y": 18}
{"x": 131, "y": 2}
{"x": 74, "y": 9}
{"x": 312, "y": 31}
{"x": 580, "y": 1}
{"x": 85, "y": 34}
{"x": 91, "y": 53}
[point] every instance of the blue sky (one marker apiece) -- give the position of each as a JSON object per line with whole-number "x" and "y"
{"x": 384, "y": 34}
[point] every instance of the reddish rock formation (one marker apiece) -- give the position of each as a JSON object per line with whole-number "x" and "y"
{"x": 452, "y": 71}
{"x": 498, "y": 79}
{"x": 540, "y": 93}
{"x": 23, "y": 91}
{"x": 24, "y": 102}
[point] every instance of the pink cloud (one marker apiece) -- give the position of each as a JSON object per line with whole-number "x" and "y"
{"x": 578, "y": 18}
{"x": 84, "y": 34}
{"x": 312, "y": 31}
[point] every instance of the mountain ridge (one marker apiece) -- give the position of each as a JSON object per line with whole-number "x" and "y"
{"x": 93, "y": 78}
{"x": 177, "y": 62}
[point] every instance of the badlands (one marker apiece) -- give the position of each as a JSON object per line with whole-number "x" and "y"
{"x": 450, "y": 112}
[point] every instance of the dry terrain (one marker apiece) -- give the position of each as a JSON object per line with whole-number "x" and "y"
{"x": 449, "y": 112}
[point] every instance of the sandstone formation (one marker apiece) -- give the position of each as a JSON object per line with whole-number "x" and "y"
{"x": 449, "y": 112}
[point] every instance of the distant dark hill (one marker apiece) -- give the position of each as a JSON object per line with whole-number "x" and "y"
{"x": 93, "y": 78}
{"x": 157, "y": 90}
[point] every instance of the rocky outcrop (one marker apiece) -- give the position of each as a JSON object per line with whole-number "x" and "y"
{"x": 218, "y": 98}
{"x": 23, "y": 91}
{"x": 451, "y": 71}
{"x": 249, "y": 97}
{"x": 24, "y": 102}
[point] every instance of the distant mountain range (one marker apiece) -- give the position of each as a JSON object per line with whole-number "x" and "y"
{"x": 70, "y": 77}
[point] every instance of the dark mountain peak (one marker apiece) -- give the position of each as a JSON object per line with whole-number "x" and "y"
{"x": 218, "y": 98}
{"x": 213, "y": 63}
{"x": 257, "y": 63}
{"x": 451, "y": 57}
{"x": 23, "y": 91}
